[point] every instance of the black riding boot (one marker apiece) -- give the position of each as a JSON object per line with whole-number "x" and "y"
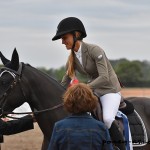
{"x": 116, "y": 136}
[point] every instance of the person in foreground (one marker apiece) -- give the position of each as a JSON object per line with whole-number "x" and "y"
{"x": 16, "y": 126}
{"x": 80, "y": 130}
{"x": 91, "y": 60}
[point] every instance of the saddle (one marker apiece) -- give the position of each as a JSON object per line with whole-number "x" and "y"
{"x": 137, "y": 127}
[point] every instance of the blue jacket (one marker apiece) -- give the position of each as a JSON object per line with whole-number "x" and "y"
{"x": 80, "y": 132}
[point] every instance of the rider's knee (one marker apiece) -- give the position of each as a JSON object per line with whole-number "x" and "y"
{"x": 108, "y": 121}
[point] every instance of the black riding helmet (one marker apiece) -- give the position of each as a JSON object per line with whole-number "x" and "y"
{"x": 69, "y": 25}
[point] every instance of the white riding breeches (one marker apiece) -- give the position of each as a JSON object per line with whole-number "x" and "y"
{"x": 110, "y": 105}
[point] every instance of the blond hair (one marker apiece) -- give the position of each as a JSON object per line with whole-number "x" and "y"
{"x": 71, "y": 70}
{"x": 71, "y": 61}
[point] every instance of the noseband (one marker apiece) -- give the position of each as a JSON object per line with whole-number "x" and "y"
{"x": 17, "y": 79}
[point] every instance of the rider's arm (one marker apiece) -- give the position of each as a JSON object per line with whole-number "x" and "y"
{"x": 16, "y": 126}
{"x": 65, "y": 81}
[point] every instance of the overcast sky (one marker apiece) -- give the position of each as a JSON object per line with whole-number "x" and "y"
{"x": 120, "y": 27}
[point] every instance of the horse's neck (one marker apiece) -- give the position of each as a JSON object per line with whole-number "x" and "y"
{"x": 44, "y": 91}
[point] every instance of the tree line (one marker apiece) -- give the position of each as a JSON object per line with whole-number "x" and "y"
{"x": 131, "y": 73}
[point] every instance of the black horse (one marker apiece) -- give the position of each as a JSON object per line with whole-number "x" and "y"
{"x": 21, "y": 83}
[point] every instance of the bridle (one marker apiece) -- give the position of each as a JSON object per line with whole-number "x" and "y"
{"x": 17, "y": 80}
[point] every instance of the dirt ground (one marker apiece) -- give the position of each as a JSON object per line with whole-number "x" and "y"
{"x": 139, "y": 92}
{"x": 32, "y": 140}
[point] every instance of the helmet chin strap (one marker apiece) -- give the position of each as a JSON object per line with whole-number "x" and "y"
{"x": 74, "y": 40}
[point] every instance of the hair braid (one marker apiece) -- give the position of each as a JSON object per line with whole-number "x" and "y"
{"x": 71, "y": 70}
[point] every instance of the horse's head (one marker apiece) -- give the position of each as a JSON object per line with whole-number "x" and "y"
{"x": 21, "y": 83}
{"x": 11, "y": 95}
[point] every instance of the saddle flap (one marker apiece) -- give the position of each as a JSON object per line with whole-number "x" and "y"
{"x": 97, "y": 112}
{"x": 138, "y": 130}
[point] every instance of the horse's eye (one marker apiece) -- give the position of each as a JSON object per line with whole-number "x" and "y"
{"x": 4, "y": 82}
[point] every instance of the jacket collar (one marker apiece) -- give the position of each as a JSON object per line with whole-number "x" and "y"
{"x": 84, "y": 50}
{"x": 81, "y": 115}
{"x": 84, "y": 47}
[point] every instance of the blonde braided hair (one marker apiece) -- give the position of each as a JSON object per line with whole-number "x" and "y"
{"x": 71, "y": 70}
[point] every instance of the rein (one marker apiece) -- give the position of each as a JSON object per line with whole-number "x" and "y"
{"x": 34, "y": 112}
{"x": 17, "y": 79}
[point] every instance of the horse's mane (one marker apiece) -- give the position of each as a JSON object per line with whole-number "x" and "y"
{"x": 43, "y": 74}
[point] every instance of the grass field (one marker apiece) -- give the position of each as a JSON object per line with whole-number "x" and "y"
{"x": 31, "y": 140}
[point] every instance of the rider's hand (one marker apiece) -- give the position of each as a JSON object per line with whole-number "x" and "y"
{"x": 73, "y": 81}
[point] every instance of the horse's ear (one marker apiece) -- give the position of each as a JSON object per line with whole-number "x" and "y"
{"x": 15, "y": 60}
{"x": 3, "y": 59}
